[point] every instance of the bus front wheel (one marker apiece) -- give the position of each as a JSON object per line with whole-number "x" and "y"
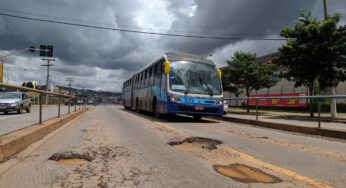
{"x": 155, "y": 111}
{"x": 197, "y": 117}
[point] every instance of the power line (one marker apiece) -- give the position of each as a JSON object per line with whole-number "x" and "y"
{"x": 126, "y": 26}
{"x": 137, "y": 31}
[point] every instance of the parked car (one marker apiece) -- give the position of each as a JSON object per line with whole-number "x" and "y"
{"x": 80, "y": 102}
{"x": 15, "y": 102}
{"x": 90, "y": 102}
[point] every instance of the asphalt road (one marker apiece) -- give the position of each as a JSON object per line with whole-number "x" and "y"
{"x": 14, "y": 121}
{"x": 131, "y": 150}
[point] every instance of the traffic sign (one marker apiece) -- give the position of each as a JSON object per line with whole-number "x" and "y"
{"x": 43, "y": 49}
{"x": 49, "y": 51}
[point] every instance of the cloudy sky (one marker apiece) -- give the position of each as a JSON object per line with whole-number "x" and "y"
{"x": 103, "y": 59}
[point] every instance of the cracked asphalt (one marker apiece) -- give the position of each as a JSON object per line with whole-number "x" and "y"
{"x": 132, "y": 150}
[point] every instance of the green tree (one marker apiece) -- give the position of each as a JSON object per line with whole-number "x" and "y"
{"x": 246, "y": 73}
{"x": 315, "y": 53}
{"x": 228, "y": 86}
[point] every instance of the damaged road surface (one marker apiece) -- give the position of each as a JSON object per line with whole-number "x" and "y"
{"x": 199, "y": 142}
{"x": 111, "y": 147}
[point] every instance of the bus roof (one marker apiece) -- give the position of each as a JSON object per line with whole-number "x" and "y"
{"x": 187, "y": 57}
{"x": 177, "y": 57}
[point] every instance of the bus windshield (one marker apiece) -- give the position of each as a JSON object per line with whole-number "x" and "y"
{"x": 195, "y": 78}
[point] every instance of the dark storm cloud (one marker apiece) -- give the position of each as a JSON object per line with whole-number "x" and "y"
{"x": 245, "y": 18}
{"x": 105, "y": 56}
{"x": 74, "y": 45}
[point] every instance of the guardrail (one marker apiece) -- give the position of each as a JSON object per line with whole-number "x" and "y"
{"x": 41, "y": 93}
{"x": 316, "y": 97}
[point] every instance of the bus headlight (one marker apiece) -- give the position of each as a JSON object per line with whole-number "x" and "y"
{"x": 220, "y": 102}
{"x": 174, "y": 99}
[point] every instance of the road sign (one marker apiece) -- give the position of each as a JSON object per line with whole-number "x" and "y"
{"x": 43, "y": 49}
{"x": 32, "y": 49}
{"x": 50, "y": 51}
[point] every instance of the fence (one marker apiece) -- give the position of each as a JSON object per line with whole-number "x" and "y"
{"x": 319, "y": 99}
{"x": 61, "y": 98}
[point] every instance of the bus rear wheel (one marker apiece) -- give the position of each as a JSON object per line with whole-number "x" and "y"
{"x": 125, "y": 108}
{"x": 197, "y": 117}
{"x": 137, "y": 106}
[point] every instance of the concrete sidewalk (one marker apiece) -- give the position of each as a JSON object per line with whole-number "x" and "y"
{"x": 292, "y": 122}
{"x": 291, "y": 118}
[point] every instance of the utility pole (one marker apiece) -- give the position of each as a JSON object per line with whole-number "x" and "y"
{"x": 70, "y": 81}
{"x": 325, "y": 9}
{"x": 1, "y": 70}
{"x": 47, "y": 81}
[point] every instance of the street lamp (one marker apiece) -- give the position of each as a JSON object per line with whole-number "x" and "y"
{"x": 31, "y": 49}
{"x": 333, "y": 111}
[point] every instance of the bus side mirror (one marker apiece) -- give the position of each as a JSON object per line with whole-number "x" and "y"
{"x": 220, "y": 73}
{"x": 167, "y": 67}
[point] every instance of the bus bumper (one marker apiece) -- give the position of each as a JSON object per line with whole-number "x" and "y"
{"x": 193, "y": 109}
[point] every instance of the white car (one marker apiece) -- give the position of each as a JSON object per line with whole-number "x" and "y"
{"x": 225, "y": 107}
{"x": 15, "y": 102}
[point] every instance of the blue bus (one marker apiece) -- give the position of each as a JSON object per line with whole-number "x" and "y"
{"x": 176, "y": 84}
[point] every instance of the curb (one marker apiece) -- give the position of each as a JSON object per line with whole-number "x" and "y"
{"x": 287, "y": 127}
{"x": 18, "y": 140}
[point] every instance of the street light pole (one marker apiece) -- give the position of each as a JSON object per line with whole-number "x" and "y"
{"x": 32, "y": 49}
{"x": 333, "y": 111}
{"x": 325, "y": 9}
{"x": 1, "y": 70}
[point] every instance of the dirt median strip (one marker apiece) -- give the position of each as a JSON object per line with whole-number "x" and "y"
{"x": 18, "y": 140}
{"x": 287, "y": 127}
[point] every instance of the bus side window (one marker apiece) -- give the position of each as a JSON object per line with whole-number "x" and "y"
{"x": 142, "y": 78}
{"x": 154, "y": 67}
{"x": 130, "y": 86}
{"x": 145, "y": 78}
{"x": 148, "y": 77}
{"x": 163, "y": 82}
{"x": 151, "y": 78}
{"x": 158, "y": 73}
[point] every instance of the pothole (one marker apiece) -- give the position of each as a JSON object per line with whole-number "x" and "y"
{"x": 197, "y": 142}
{"x": 246, "y": 174}
{"x": 72, "y": 158}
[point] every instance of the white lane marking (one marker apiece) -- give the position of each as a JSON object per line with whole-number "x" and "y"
{"x": 9, "y": 117}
